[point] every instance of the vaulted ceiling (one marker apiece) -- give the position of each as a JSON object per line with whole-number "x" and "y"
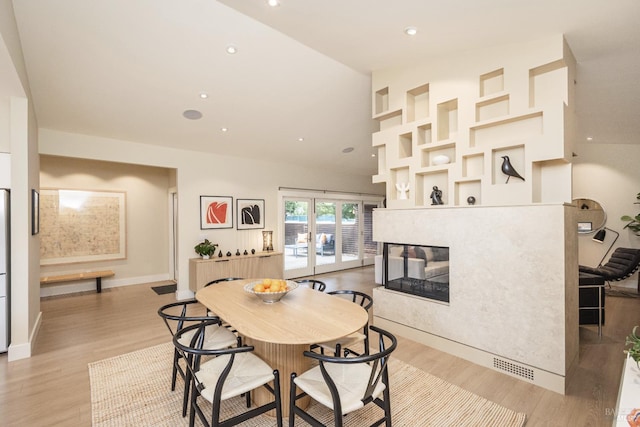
{"x": 298, "y": 87}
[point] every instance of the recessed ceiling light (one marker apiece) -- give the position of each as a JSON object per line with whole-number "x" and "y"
{"x": 589, "y": 138}
{"x": 204, "y": 95}
{"x": 192, "y": 114}
{"x": 300, "y": 139}
{"x": 411, "y": 31}
{"x": 373, "y": 155}
{"x": 273, "y": 3}
{"x": 231, "y": 49}
{"x": 347, "y": 150}
{"x": 224, "y": 129}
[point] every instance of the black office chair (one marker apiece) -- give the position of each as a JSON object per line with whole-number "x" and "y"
{"x": 179, "y": 315}
{"x": 623, "y": 263}
{"x": 336, "y": 346}
{"x": 224, "y": 374}
{"x": 313, "y": 284}
{"x": 345, "y": 384}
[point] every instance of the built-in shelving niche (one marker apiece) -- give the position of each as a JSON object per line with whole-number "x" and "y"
{"x": 517, "y": 159}
{"x": 502, "y": 132}
{"x": 551, "y": 179}
{"x": 418, "y": 103}
{"x": 448, "y": 120}
{"x": 473, "y": 165}
{"x": 399, "y": 176}
{"x": 466, "y": 188}
{"x": 382, "y": 101}
{"x": 425, "y": 182}
{"x": 492, "y": 82}
{"x": 424, "y": 134}
{"x": 492, "y": 108}
{"x": 405, "y": 145}
{"x": 389, "y": 119}
{"x": 429, "y": 153}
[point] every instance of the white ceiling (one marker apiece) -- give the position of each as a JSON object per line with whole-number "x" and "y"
{"x": 128, "y": 69}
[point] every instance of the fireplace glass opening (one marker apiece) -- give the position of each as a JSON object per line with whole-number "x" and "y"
{"x": 417, "y": 269}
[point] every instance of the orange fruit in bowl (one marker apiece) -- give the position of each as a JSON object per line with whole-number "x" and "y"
{"x": 258, "y": 288}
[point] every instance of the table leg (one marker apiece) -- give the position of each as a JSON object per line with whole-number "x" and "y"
{"x": 286, "y": 358}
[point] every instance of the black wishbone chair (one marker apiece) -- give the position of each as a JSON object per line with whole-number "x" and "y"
{"x": 346, "y": 384}
{"x": 177, "y": 316}
{"x": 226, "y": 373}
{"x": 344, "y": 343}
{"x": 318, "y": 285}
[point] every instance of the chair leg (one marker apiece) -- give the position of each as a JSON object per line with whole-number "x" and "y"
{"x": 174, "y": 374}
{"x": 292, "y": 401}
{"x": 278, "y": 397}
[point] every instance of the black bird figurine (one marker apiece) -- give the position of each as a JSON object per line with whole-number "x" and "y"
{"x": 508, "y": 169}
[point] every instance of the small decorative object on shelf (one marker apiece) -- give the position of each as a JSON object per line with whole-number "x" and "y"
{"x": 229, "y": 253}
{"x": 220, "y": 254}
{"x": 471, "y": 200}
{"x": 634, "y": 341}
{"x": 403, "y": 188}
{"x": 436, "y": 196}
{"x": 237, "y": 252}
{"x": 245, "y": 252}
{"x": 253, "y": 251}
{"x": 440, "y": 160}
{"x": 267, "y": 241}
{"x": 634, "y": 222}
{"x": 508, "y": 169}
{"x": 205, "y": 249}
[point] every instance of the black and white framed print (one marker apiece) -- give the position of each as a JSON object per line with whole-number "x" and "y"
{"x": 250, "y": 214}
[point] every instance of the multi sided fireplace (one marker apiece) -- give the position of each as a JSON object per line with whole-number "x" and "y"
{"x": 417, "y": 269}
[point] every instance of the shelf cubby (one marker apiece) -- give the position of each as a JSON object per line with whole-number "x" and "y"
{"x": 544, "y": 77}
{"x": 466, "y": 188}
{"x": 447, "y": 119}
{"x": 473, "y": 165}
{"x": 389, "y": 119}
{"x": 499, "y": 132}
{"x": 399, "y": 176}
{"x": 381, "y": 101}
{"x": 550, "y": 180}
{"x": 424, "y": 134}
{"x": 405, "y": 145}
{"x": 429, "y": 153}
{"x": 517, "y": 159}
{"x": 418, "y": 103}
{"x": 492, "y": 108}
{"x": 492, "y": 82}
{"x": 425, "y": 181}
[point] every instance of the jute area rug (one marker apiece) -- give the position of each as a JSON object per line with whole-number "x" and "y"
{"x": 134, "y": 390}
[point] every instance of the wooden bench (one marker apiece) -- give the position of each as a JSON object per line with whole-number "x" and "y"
{"x": 98, "y": 275}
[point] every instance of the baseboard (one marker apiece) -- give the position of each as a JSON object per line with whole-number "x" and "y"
{"x": 25, "y": 350}
{"x": 90, "y": 285}
{"x": 519, "y": 370}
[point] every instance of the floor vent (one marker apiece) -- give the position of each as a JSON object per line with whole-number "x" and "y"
{"x": 513, "y": 369}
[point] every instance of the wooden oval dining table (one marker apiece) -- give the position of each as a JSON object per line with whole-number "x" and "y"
{"x": 281, "y": 331}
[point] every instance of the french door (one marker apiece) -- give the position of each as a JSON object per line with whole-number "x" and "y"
{"x": 323, "y": 234}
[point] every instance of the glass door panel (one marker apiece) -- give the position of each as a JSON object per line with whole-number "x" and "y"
{"x": 325, "y": 238}
{"x": 350, "y": 231}
{"x": 370, "y": 248}
{"x": 297, "y": 231}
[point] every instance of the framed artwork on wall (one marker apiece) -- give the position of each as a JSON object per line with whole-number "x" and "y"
{"x": 81, "y": 226}
{"x": 216, "y": 212}
{"x": 250, "y": 214}
{"x": 35, "y": 212}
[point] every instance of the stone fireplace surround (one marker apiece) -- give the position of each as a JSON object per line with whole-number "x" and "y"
{"x": 513, "y": 286}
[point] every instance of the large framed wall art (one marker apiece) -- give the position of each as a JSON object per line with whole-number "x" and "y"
{"x": 216, "y": 212}
{"x": 250, "y": 214}
{"x": 82, "y": 226}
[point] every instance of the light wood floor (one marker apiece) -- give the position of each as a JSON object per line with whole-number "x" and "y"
{"x": 52, "y": 387}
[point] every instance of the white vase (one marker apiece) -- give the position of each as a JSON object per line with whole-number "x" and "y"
{"x": 206, "y": 256}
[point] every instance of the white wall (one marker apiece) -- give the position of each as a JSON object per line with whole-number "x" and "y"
{"x": 208, "y": 174}
{"x": 609, "y": 174}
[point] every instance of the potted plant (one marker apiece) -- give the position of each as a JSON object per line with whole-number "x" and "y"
{"x": 634, "y": 222}
{"x": 634, "y": 341}
{"x": 205, "y": 249}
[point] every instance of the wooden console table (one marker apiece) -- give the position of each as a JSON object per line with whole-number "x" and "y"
{"x": 260, "y": 265}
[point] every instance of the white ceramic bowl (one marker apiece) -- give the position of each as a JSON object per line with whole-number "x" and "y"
{"x": 440, "y": 160}
{"x": 269, "y": 297}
